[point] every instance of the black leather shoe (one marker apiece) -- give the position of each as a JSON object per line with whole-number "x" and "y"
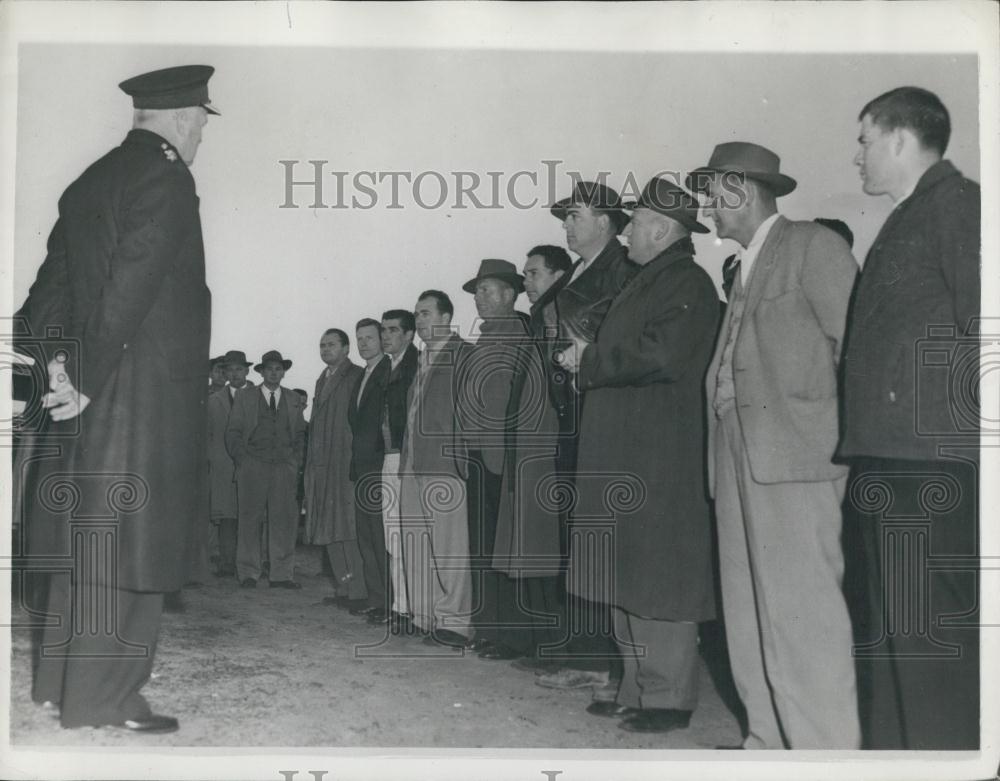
{"x": 729, "y": 748}
{"x": 657, "y": 720}
{"x": 248, "y": 583}
{"x": 499, "y": 652}
{"x": 362, "y": 609}
{"x": 445, "y": 637}
{"x": 378, "y": 616}
{"x": 611, "y": 709}
{"x": 151, "y": 724}
{"x": 477, "y": 644}
{"x": 289, "y": 584}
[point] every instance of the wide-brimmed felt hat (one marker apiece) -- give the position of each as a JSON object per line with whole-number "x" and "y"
{"x": 179, "y": 87}
{"x": 494, "y": 268}
{"x": 275, "y": 356}
{"x": 664, "y": 197}
{"x": 596, "y": 195}
{"x": 750, "y": 160}
{"x": 237, "y": 356}
{"x": 217, "y": 360}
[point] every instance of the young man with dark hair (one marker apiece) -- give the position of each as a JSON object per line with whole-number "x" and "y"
{"x": 398, "y": 330}
{"x": 911, "y": 424}
{"x": 329, "y": 494}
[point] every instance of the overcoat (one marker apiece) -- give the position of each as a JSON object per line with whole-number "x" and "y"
{"x": 124, "y": 281}
{"x": 640, "y": 475}
{"x": 528, "y": 521}
{"x": 220, "y": 464}
{"x": 329, "y": 492}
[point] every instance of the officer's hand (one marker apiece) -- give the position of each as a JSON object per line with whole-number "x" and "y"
{"x": 64, "y": 401}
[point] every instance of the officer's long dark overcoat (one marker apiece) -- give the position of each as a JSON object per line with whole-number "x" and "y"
{"x": 124, "y": 280}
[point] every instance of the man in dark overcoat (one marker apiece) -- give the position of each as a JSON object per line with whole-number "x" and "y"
{"x": 640, "y": 475}
{"x": 528, "y": 546}
{"x": 911, "y": 433}
{"x": 124, "y": 282}
{"x": 593, "y": 219}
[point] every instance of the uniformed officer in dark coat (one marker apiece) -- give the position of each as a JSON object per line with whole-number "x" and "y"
{"x": 124, "y": 284}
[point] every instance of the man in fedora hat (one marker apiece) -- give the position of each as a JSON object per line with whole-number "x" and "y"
{"x": 911, "y": 424}
{"x": 772, "y": 431}
{"x": 266, "y": 437}
{"x": 124, "y": 284}
{"x": 217, "y": 374}
{"x": 593, "y": 218}
{"x": 237, "y": 369}
{"x": 643, "y": 425}
{"x": 484, "y": 390}
{"x": 222, "y": 485}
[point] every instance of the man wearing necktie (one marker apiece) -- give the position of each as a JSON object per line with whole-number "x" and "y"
{"x": 772, "y": 431}
{"x": 266, "y": 438}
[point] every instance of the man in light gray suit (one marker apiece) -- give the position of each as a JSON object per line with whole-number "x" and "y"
{"x": 772, "y": 431}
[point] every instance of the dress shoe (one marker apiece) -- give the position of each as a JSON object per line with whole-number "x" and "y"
{"x": 378, "y": 616}
{"x": 610, "y": 709}
{"x": 657, "y": 720}
{"x": 569, "y": 678}
{"x": 445, "y": 637}
{"x": 532, "y": 664}
{"x": 499, "y": 651}
{"x": 728, "y": 748}
{"x": 151, "y": 724}
{"x": 248, "y": 583}
{"x": 289, "y": 584}
{"x": 51, "y": 708}
{"x": 477, "y": 644}
{"x": 362, "y": 609}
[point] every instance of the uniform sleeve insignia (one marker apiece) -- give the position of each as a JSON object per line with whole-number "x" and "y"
{"x": 168, "y": 153}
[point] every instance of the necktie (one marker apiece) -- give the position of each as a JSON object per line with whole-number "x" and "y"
{"x": 271, "y": 404}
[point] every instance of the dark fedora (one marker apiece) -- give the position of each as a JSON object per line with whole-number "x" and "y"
{"x": 180, "y": 87}
{"x": 217, "y": 360}
{"x": 237, "y": 356}
{"x": 272, "y": 356}
{"x": 493, "y": 268}
{"x": 597, "y": 196}
{"x": 750, "y": 160}
{"x": 665, "y": 197}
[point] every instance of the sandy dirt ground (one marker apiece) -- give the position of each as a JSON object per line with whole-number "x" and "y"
{"x": 262, "y": 668}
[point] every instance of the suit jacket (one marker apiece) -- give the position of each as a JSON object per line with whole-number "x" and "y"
{"x": 243, "y": 421}
{"x": 916, "y": 300}
{"x": 124, "y": 281}
{"x": 328, "y": 492}
{"x": 396, "y": 390}
{"x": 433, "y": 444}
{"x": 786, "y": 354}
{"x": 368, "y": 449}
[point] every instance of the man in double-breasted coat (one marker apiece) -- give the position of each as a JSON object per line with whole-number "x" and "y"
{"x": 124, "y": 282}
{"x": 772, "y": 432}
{"x": 642, "y": 542}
